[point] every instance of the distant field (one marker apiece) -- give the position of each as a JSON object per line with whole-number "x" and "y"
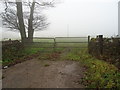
{"x": 43, "y": 40}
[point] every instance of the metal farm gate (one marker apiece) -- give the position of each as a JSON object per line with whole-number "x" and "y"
{"x": 60, "y": 42}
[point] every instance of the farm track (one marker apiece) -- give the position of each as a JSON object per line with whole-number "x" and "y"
{"x": 37, "y": 73}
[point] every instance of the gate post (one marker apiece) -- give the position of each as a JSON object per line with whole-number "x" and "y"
{"x": 54, "y": 44}
{"x": 88, "y": 39}
{"x": 88, "y": 44}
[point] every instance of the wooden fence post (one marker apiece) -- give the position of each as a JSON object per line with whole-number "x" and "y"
{"x": 88, "y": 39}
{"x": 88, "y": 44}
{"x": 100, "y": 44}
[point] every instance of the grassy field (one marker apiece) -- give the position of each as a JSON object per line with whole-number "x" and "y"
{"x": 42, "y": 45}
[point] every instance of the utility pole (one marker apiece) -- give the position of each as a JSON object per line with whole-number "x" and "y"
{"x": 67, "y": 30}
{"x": 119, "y": 18}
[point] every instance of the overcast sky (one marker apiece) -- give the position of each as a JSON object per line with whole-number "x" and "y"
{"x": 78, "y": 18}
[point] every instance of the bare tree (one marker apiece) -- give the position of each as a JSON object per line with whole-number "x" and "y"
{"x": 25, "y": 17}
{"x": 21, "y": 25}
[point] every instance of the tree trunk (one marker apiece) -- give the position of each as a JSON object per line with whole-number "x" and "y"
{"x": 30, "y": 23}
{"x": 21, "y": 21}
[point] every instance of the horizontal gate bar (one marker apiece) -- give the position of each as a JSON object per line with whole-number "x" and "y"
{"x": 71, "y": 37}
{"x": 60, "y": 47}
{"x": 56, "y": 42}
{"x": 43, "y": 38}
{"x": 71, "y": 42}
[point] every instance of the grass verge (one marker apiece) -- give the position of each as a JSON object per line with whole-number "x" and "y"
{"x": 12, "y": 57}
{"x": 98, "y": 74}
